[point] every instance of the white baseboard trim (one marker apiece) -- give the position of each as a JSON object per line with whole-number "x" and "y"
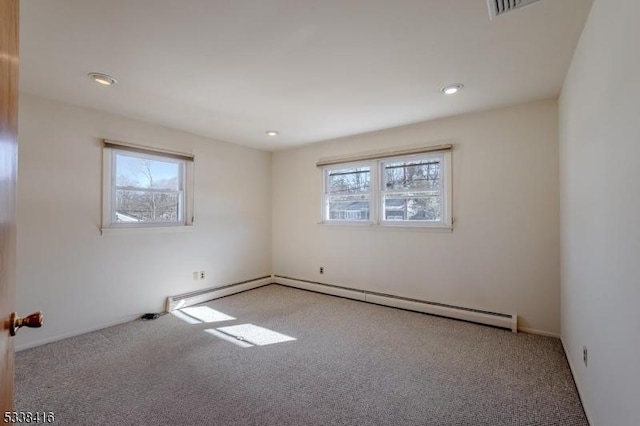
{"x": 189, "y": 299}
{"x": 320, "y": 288}
{"x": 576, "y": 380}
{"x": 75, "y": 333}
{"x": 205, "y": 295}
{"x": 539, "y": 332}
{"x": 202, "y": 296}
{"x": 443, "y": 311}
{"x": 508, "y": 321}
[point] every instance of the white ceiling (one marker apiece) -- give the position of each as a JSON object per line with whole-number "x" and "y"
{"x": 312, "y": 69}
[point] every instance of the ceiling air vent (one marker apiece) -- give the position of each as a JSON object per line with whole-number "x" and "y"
{"x": 500, "y": 7}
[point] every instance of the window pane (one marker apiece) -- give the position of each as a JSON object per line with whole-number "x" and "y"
{"x": 349, "y": 181}
{"x": 145, "y": 206}
{"x": 398, "y": 207}
{"x": 416, "y": 175}
{"x": 140, "y": 172}
{"x": 348, "y": 208}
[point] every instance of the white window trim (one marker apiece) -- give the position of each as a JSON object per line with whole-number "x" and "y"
{"x": 108, "y": 182}
{"x": 372, "y": 191}
{"x": 376, "y": 214}
{"x": 445, "y": 179}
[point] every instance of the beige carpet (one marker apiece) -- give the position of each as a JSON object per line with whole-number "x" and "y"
{"x": 351, "y": 363}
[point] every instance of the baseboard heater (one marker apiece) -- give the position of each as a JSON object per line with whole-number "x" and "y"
{"x": 207, "y": 294}
{"x": 508, "y": 321}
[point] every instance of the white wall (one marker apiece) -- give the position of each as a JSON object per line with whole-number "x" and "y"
{"x": 83, "y": 280}
{"x": 504, "y": 252}
{"x": 600, "y": 208}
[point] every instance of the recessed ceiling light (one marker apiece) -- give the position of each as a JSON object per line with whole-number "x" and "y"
{"x": 272, "y": 133}
{"x": 452, "y": 89}
{"x": 103, "y": 79}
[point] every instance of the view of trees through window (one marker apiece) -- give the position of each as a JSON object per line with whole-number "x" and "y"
{"x": 412, "y": 191}
{"x": 348, "y": 194}
{"x": 146, "y": 189}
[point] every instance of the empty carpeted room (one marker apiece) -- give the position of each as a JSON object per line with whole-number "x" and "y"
{"x": 285, "y": 212}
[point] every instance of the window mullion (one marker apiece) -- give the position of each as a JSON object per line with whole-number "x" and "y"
{"x": 375, "y": 191}
{"x": 156, "y": 190}
{"x": 112, "y": 191}
{"x": 348, "y": 194}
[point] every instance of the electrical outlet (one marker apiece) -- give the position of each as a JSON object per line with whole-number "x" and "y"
{"x": 196, "y": 275}
{"x": 584, "y": 355}
{"x": 202, "y": 275}
{"x": 322, "y": 269}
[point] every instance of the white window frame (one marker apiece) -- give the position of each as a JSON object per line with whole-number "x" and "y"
{"x": 371, "y": 193}
{"x": 445, "y": 192}
{"x": 377, "y": 191}
{"x": 185, "y": 206}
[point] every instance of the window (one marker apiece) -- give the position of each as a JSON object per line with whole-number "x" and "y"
{"x": 347, "y": 195}
{"x": 146, "y": 188}
{"x": 409, "y": 190}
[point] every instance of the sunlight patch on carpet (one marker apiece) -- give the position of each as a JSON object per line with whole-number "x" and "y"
{"x": 247, "y": 335}
{"x": 230, "y": 339}
{"x": 206, "y": 314}
{"x": 201, "y": 314}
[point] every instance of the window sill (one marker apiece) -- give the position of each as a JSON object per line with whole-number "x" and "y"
{"x": 146, "y": 230}
{"x": 361, "y": 224}
{"x": 404, "y": 227}
{"x": 446, "y": 229}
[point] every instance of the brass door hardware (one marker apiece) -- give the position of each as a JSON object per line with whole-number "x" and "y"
{"x": 33, "y": 321}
